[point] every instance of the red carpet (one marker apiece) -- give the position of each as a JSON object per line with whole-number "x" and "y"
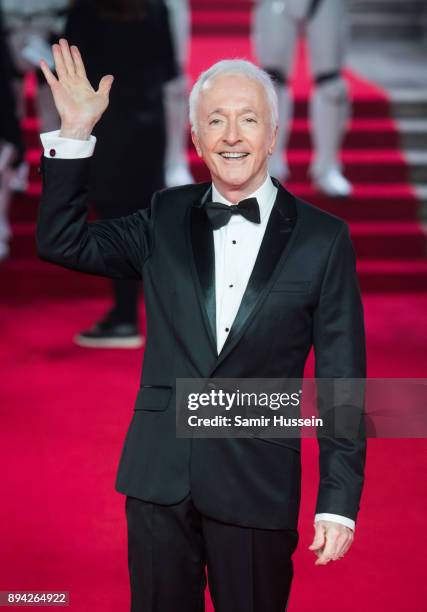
{"x": 60, "y": 442}
{"x": 60, "y": 445}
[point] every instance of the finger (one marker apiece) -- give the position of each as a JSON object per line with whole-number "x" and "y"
{"x": 319, "y": 538}
{"x": 60, "y": 68}
{"x": 340, "y": 546}
{"x": 66, "y": 54}
{"x": 105, "y": 84}
{"x": 346, "y": 546}
{"x": 78, "y": 62}
{"x": 48, "y": 74}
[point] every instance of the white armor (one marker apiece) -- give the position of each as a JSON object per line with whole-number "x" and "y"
{"x": 177, "y": 171}
{"x": 29, "y": 24}
{"x": 276, "y": 26}
{"x": 7, "y": 154}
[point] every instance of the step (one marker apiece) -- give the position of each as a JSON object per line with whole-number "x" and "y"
{"x": 408, "y": 103}
{"x": 31, "y": 130}
{"x": 388, "y": 240}
{"x": 213, "y": 22}
{"x": 363, "y": 106}
{"x": 412, "y": 133}
{"x": 379, "y": 166}
{"x": 417, "y": 165}
{"x": 372, "y": 240}
{"x": 421, "y": 193}
{"x": 387, "y": 6}
{"x": 386, "y": 19}
{"x": 393, "y": 276}
{"x": 388, "y": 26}
{"x": 236, "y": 20}
{"x": 23, "y": 242}
{"x": 360, "y": 166}
{"x": 24, "y": 206}
{"x": 357, "y": 6}
{"x": 221, "y": 5}
{"x": 369, "y": 202}
{"x": 29, "y": 280}
{"x": 361, "y": 134}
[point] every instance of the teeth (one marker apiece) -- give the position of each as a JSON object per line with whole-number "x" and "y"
{"x": 233, "y": 155}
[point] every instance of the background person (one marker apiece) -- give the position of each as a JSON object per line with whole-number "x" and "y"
{"x": 127, "y": 38}
{"x": 276, "y": 26}
{"x": 177, "y": 167}
{"x": 11, "y": 142}
{"x": 31, "y": 27}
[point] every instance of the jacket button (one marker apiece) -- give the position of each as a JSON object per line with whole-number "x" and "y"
{"x": 52, "y": 152}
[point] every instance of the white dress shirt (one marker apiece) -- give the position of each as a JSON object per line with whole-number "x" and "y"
{"x": 236, "y": 248}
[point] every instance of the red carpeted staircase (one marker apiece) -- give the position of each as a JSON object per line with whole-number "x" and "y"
{"x": 382, "y": 212}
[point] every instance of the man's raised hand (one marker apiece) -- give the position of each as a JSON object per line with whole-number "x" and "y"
{"x": 79, "y": 106}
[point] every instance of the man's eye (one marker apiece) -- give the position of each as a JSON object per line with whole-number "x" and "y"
{"x": 214, "y": 121}
{"x": 250, "y": 120}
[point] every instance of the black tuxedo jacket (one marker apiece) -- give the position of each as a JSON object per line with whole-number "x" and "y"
{"x": 303, "y": 291}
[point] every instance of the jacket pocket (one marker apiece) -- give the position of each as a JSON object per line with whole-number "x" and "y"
{"x": 290, "y": 443}
{"x": 292, "y": 286}
{"x": 153, "y": 398}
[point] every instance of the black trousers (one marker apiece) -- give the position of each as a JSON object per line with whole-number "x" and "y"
{"x": 125, "y": 291}
{"x": 170, "y": 547}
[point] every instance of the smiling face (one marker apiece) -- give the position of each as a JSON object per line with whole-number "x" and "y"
{"x": 234, "y": 134}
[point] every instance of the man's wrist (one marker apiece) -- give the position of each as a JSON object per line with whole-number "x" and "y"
{"x": 76, "y": 132}
{"x": 66, "y": 148}
{"x": 335, "y": 518}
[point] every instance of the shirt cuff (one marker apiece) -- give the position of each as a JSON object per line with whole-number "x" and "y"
{"x": 335, "y": 518}
{"x": 66, "y": 148}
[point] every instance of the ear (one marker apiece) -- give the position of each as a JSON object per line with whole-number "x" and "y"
{"x": 196, "y": 143}
{"x": 273, "y": 140}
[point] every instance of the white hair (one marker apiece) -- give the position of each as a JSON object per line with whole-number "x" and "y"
{"x": 238, "y": 67}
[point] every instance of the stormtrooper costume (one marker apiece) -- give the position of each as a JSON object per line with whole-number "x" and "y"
{"x": 30, "y": 25}
{"x": 276, "y": 25}
{"x": 177, "y": 170}
{"x": 11, "y": 142}
{"x": 7, "y": 156}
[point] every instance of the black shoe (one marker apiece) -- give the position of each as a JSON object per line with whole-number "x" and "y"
{"x": 110, "y": 334}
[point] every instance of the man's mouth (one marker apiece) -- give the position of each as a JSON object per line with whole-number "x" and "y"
{"x": 233, "y": 155}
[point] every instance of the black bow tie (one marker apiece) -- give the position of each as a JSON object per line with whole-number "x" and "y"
{"x": 220, "y": 214}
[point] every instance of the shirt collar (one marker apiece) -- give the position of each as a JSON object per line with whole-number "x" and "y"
{"x": 265, "y": 195}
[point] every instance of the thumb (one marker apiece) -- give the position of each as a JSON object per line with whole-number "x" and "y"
{"x": 319, "y": 538}
{"x": 105, "y": 84}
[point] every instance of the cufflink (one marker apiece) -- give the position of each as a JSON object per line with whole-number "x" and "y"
{"x": 52, "y": 153}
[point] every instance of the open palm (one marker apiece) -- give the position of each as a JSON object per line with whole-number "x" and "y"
{"x": 78, "y": 104}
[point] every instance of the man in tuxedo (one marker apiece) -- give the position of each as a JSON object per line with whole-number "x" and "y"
{"x": 241, "y": 278}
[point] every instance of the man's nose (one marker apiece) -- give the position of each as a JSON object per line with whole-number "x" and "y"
{"x": 232, "y": 133}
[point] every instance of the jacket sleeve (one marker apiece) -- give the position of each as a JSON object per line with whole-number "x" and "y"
{"x": 116, "y": 248}
{"x": 339, "y": 345}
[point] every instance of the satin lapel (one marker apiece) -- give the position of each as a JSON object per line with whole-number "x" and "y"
{"x": 203, "y": 264}
{"x": 272, "y": 252}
